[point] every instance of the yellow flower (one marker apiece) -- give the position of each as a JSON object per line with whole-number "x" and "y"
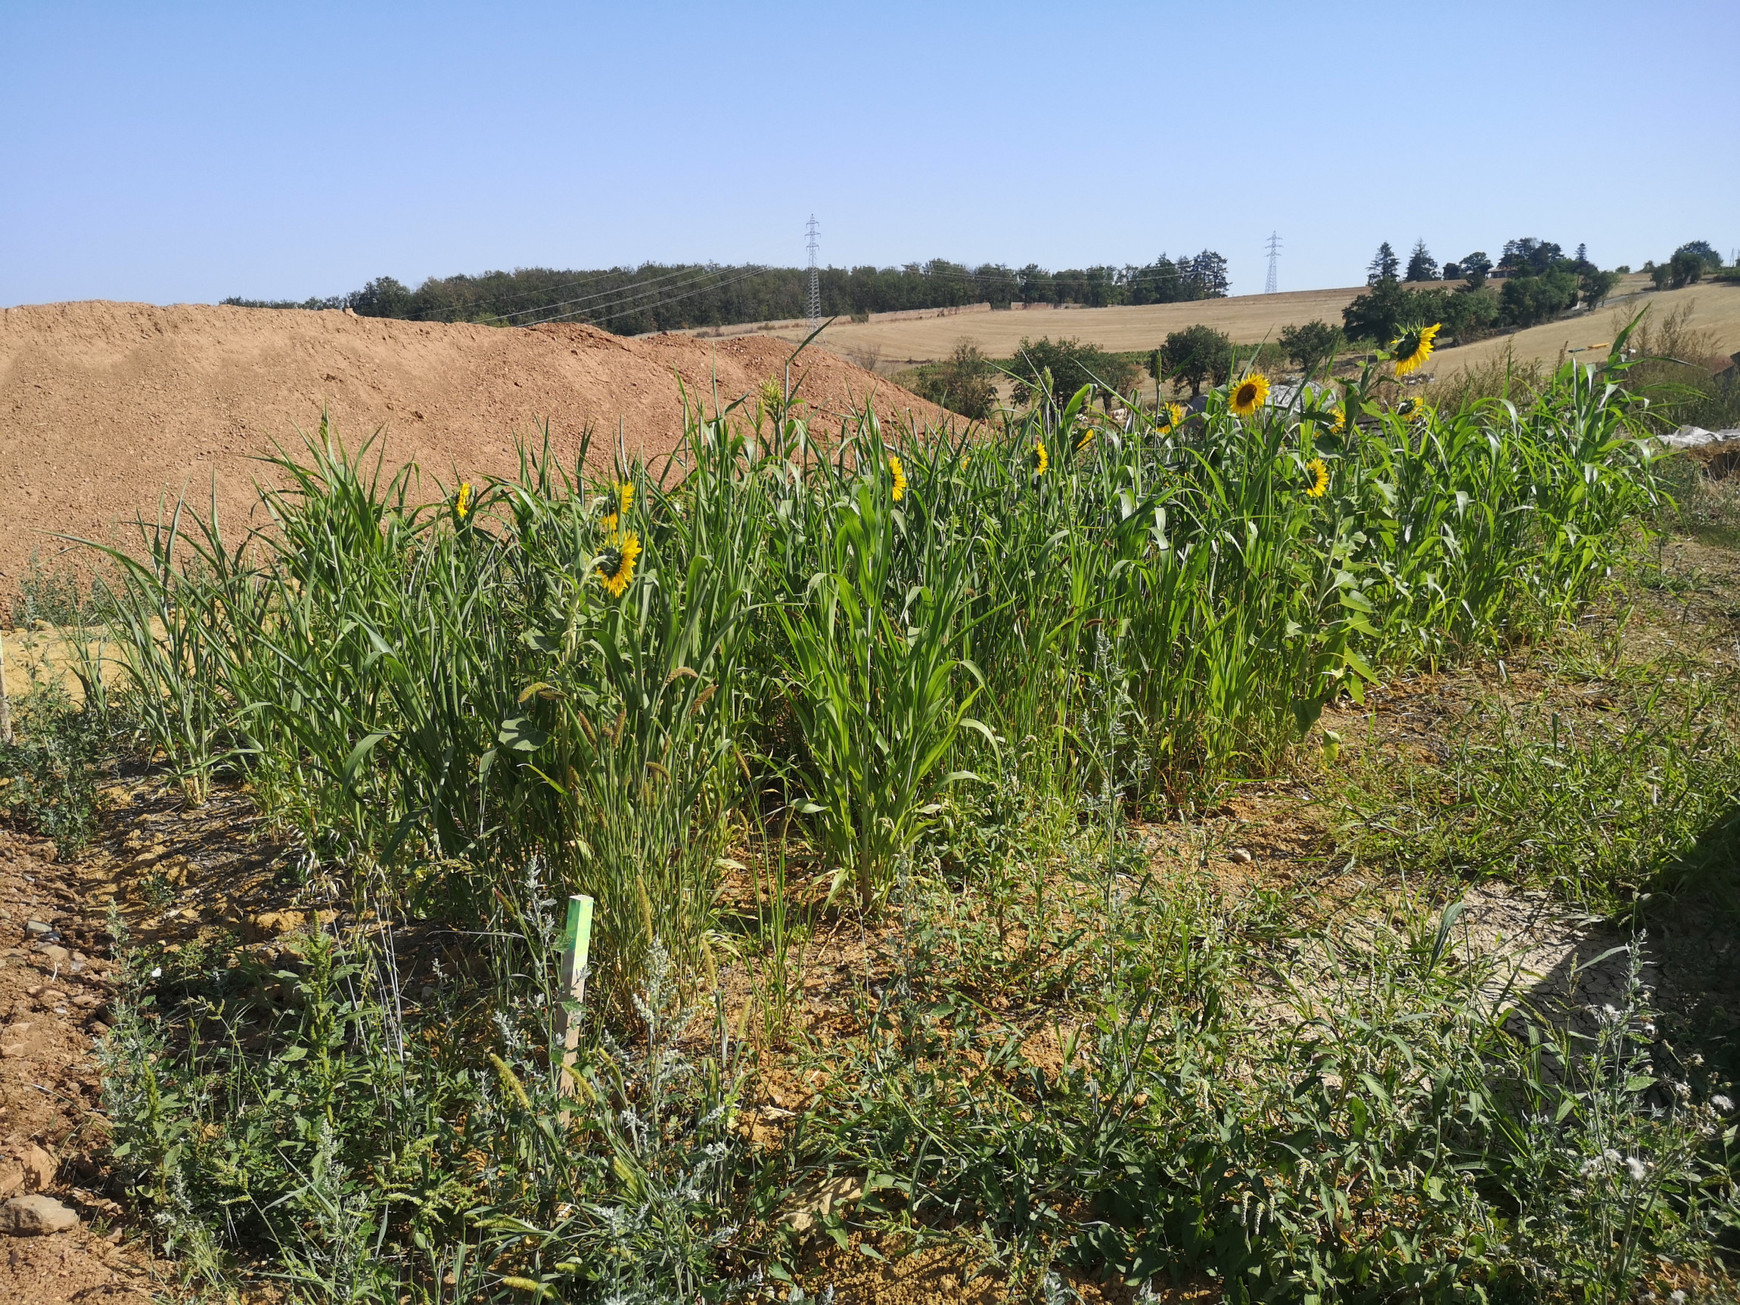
{"x": 1248, "y": 395}
{"x": 1171, "y": 417}
{"x": 1041, "y": 459}
{"x": 1340, "y": 423}
{"x": 462, "y": 501}
{"x": 1319, "y": 478}
{"x": 625, "y": 493}
{"x": 1411, "y": 409}
{"x": 1412, "y": 350}
{"x": 616, "y": 564}
{"x": 899, "y": 477}
{"x": 1084, "y": 441}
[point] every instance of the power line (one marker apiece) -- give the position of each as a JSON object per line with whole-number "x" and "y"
{"x": 1273, "y": 283}
{"x": 607, "y": 311}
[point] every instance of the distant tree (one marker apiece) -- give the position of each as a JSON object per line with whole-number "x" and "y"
{"x": 1526, "y": 300}
{"x": 1037, "y": 286}
{"x": 1582, "y": 254}
{"x": 964, "y": 382}
{"x": 1469, "y": 314}
{"x": 1311, "y": 344}
{"x": 1197, "y": 355}
{"x": 1529, "y": 257}
{"x": 1206, "y": 275}
{"x": 1452, "y": 272}
{"x": 1071, "y": 365}
{"x": 382, "y": 297}
{"x": 1383, "y": 266}
{"x": 998, "y": 286}
{"x": 1704, "y": 251}
{"x": 1685, "y": 267}
{"x": 1475, "y": 267}
{"x": 1624, "y": 269}
{"x": 1658, "y": 274}
{"x": 1379, "y": 313}
{"x": 1421, "y": 265}
{"x": 1594, "y": 286}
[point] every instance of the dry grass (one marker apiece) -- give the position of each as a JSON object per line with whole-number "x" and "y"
{"x": 903, "y": 340}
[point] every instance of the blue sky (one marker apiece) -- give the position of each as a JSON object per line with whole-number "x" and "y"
{"x": 183, "y": 152}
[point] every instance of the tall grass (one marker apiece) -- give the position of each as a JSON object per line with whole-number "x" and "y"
{"x": 443, "y": 688}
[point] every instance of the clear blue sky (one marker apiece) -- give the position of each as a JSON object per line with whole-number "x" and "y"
{"x": 184, "y": 152}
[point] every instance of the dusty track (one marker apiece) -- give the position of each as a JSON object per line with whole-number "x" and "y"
{"x": 104, "y": 406}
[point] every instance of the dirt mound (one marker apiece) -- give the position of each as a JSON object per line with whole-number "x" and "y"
{"x": 104, "y": 406}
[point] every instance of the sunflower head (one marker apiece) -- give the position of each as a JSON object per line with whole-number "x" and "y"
{"x": 1041, "y": 459}
{"x": 625, "y": 497}
{"x": 615, "y": 565}
{"x": 1319, "y": 474}
{"x": 1171, "y": 417}
{"x": 1414, "y": 347}
{"x": 1412, "y": 409}
{"x": 899, "y": 474}
{"x": 463, "y": 502}
{"x": 1249, "y": 394}
{"x": 1340, "y": 422}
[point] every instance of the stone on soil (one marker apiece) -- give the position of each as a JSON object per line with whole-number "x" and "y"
{"x": 35, "y": 1216}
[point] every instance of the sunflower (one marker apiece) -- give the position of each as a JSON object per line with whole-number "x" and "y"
{"x": 1340, "y": 422}
{"x": 462, "y": 501}
{"x": 1248, "y": 395}
{"x": 1041, "y": 459}
{"x": 1171, "y": 417}
{"x": 1411, "y": 409}
{"x": 1084, "y": 441}
{"x": 625, "y": 495}
{"x": 899, "y": 477}
{"x": 1412, "y": 350}
{"x": 616, "y": 563}
{"x": 1319, "y": 478}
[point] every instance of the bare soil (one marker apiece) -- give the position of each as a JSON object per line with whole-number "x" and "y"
{"x": 104, "y": 407}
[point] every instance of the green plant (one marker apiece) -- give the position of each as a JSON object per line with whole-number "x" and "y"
{"x": 49, "y": 774}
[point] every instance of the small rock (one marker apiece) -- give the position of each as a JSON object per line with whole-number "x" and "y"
{"x": 56, "y": 954}
{"x": 14, "y": 1050}
{"x": 1240, "y": 855}
{"x": 36, "y": 928}
{"x": 35, "y": 1216}
{"x": 816, "y": 1201}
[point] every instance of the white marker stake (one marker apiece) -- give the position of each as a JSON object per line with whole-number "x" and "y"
{"x": 576, "y": 947}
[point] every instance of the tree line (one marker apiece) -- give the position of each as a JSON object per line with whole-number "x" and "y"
{"x": 663, "y": 297}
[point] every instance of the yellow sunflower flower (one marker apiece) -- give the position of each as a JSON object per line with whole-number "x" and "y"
{"x": 625, "y": 495}
{"x": 1041, "y": 459}
{"x": 1319, "y": 478}
{"x": 462, "y": 501}
{"x": 1249, "y": 394}
{"x": 1414, "y": 347}
{"x": 1340, "y": 422}
{"x": 616, "y": 564}
{"x": 899, "y": 477}
{"x": 1171, "y": 417}
{"x": 1411, "y": 409}
{"x": 1084, "y": 441}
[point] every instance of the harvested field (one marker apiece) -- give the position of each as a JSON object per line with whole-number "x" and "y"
{"x": 104, "y": 406}
{"x": 902, "y": 340}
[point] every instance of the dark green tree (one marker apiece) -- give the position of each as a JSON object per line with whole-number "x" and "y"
{"x": 382, "y": 297}
{"x": 1421, "y": 265}
{"x": 1312, "y": 344}
{"x": 1380, "y": 313}
{"x": 1594, "y": 285}
{"x": 1685, "y": 267}
{"x": 965, "y": 382}
{"x": 1383, "y": 266}
{"x": 1070, "y": 365}
{"x": 1475, "y": 267}
{"x": 1197, "y": 355}
{"x": 1705, "y": 251}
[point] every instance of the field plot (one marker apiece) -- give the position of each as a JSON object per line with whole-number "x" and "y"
{"x": 1250, "y": 319}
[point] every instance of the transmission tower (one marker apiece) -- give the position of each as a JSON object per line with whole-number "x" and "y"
{"x": 815, "y": 274}
{"x": 1273, "y": 284}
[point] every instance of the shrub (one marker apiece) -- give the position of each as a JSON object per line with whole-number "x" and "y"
{"x": 1197, "y": 356}
{"x": 1057, "y": 369}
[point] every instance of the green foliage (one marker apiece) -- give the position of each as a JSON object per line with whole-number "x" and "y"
{"x": 1196, "y": 356}
{"x": 1685, "y": 267}
{"x": 1528, "y": 300}
{"x": 965, "y": 382}
{"x": 49, "y": 774}
{"x": 1312, "y": 345}
{"x": 1385, "y": 266}
{"x": 1421, "y": 265}
{"x": 1381, "y": 312}
{"x": 1056, "y": 369}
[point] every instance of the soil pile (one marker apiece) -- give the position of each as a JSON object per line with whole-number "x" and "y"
{"x": 105, "y": 406}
